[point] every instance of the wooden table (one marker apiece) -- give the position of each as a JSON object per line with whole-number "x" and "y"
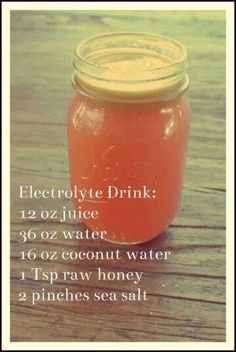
{"x": 186, "y": 293}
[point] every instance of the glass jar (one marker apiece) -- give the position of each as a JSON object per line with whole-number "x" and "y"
{"x": 128, "y": 126}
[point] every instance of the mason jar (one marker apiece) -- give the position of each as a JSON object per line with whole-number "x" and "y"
{"x": 128, "y": 127}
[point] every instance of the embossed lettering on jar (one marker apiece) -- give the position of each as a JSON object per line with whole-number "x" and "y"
{"x": 128, "y": 126}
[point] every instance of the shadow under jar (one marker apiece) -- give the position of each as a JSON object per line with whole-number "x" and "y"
{"x": 128, "y": 126}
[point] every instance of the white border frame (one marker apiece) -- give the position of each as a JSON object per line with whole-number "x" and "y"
{"x": 17, "y": 346}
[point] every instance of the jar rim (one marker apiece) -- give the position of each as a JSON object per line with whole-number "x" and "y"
{"x": 183, "y": 57}
{"x": 131, "y": 64}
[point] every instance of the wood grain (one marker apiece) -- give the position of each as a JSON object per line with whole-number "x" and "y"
{"x": 187, "y": 292}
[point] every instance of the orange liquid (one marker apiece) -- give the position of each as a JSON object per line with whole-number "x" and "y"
{"x": 129, "y": 144}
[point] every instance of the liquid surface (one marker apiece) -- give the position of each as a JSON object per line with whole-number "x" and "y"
{"x": 129, "y": 59}
{"x": 129, "y": 145}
